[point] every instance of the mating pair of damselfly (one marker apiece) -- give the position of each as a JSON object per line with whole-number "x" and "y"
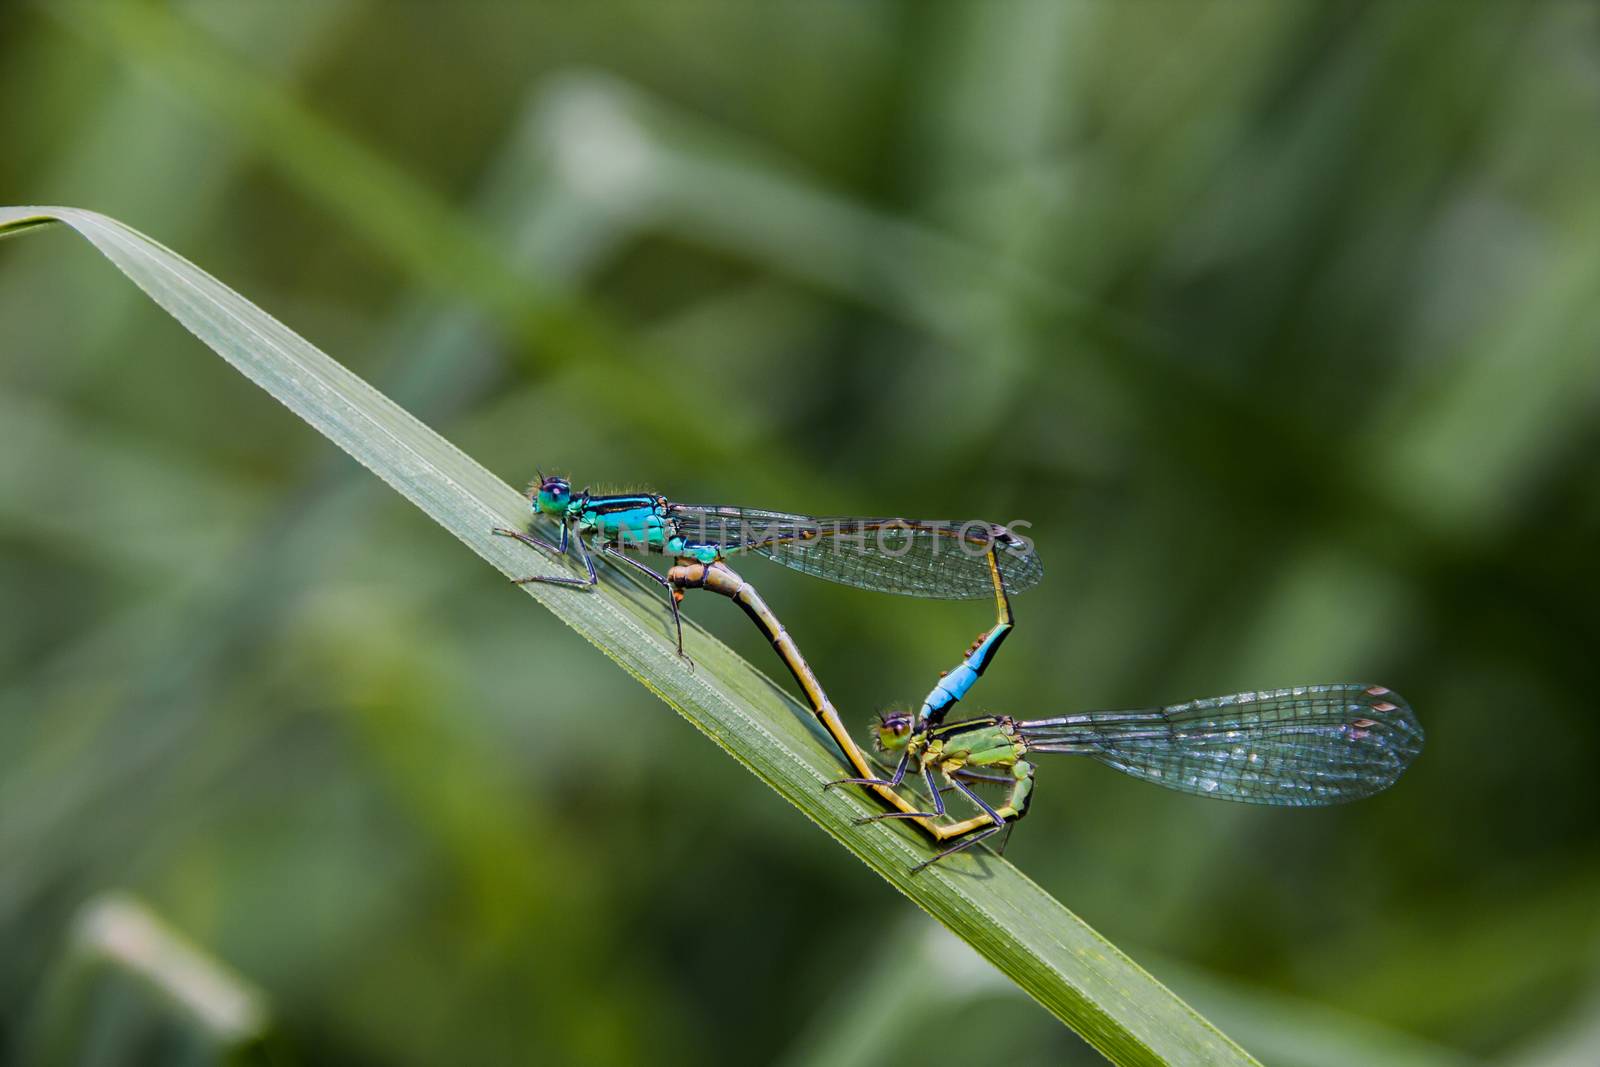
{"x": 1310, "y": 745}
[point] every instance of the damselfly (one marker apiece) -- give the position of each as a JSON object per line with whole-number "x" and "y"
{"x": 943, "y": 559}
{"x": 1305, "y": 746}
{"x": 1308, "y": 746}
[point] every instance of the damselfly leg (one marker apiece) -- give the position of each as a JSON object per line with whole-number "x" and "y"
{"x": 960, "y": 846}
{"x": 535, "y": 541}
{"x": 569, "y": 539}
{"x": 674, "y": 594}
{"x": 933, "y": 791}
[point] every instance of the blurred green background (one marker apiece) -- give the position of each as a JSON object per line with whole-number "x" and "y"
{"x": 1277, "y": 321}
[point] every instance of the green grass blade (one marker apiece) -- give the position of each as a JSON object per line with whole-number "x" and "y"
{"x": 1049, "y": 952}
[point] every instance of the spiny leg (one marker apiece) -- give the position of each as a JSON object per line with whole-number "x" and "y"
{"x": 892, "y": 782}
{"x": 974, "y": 776}
{"x": 982, "y": 805}
{"x": 999, "y": 824}
{"x": 960, "y": 846}
{"x": 536, "y": 541}
{"x": 933, "y": 791}
{"x": 672, "y": 590}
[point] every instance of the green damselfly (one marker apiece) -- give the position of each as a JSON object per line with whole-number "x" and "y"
{"x": 942, "y": 559}
{"x": 1309, "y": 746}
{"x": 1306, "y": 746}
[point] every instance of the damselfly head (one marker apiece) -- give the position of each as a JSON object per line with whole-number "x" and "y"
{"x": 892, "y": 729}
{"x": 552, "y": 494}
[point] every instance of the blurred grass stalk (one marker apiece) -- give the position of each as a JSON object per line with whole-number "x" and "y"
{"x": 129, "y": 986}
{"x": 1117, "y": 1007}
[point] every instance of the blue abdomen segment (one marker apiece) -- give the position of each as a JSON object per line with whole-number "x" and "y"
{"x": 699, "y": 552}
{"x": 954, "y": 685}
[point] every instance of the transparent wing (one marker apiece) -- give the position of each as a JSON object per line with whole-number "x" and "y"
{"x": 917, "y": 557}
{"x": 1311, "y": 745}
